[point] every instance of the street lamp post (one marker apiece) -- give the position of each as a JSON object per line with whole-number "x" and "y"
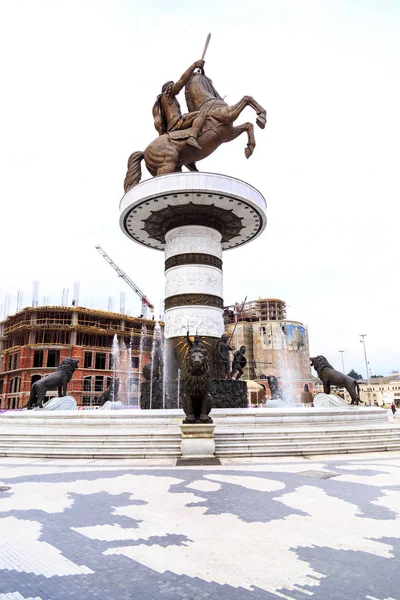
{"x": 363, "y": 335}
{"x": 341, "y": 352}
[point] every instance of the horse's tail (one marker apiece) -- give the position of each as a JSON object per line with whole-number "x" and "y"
{"x": 134, "y": 172}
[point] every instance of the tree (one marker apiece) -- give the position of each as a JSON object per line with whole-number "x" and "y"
{"x": 376, "y": 376}
{"x": 354, "y": 374}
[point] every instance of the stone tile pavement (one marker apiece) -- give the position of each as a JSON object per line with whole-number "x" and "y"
{"x": 265, "y": 529}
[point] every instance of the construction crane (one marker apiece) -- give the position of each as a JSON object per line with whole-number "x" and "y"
{"x": 145, "y": 301}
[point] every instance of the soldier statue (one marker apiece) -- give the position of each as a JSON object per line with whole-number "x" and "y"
{"x": 223, "y": 349}
{"x": 167, "y": 113}
{"x": 239, "y": 362}
{"x": 197, "y": 343}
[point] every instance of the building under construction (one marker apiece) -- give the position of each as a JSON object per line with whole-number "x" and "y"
{"x": 274, "y": 345}
{"x": 34, "y": 342}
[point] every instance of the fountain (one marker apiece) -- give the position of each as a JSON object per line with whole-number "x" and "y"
{"x": 193, "y": 218}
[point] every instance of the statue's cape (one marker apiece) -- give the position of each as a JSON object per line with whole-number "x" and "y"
{"x": 159, "y": 118}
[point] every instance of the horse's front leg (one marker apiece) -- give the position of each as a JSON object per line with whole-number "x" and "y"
{"x": 59, "y": 389}
{"x": 233, "y": 112}
{"x": 234, "y": 132}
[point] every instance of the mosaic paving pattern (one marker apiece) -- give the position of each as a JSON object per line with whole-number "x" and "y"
{"x": 291, "y": 529}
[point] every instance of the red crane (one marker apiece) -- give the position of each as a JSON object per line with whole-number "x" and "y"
{"x": 145, "y": 301}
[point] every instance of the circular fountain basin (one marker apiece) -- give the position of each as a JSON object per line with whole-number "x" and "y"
{"x": 156, "y": 434}
{"x": 235, "y": 417}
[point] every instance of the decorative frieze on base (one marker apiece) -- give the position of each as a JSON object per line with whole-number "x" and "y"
{"x": 198, "y": 279}
{"x": 203, "y": 320}
{"x": 193, "y": 238}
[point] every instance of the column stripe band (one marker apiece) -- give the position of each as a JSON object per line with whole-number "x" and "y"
{"x": 193, "y": 258}
{"x": 193, "y": 299}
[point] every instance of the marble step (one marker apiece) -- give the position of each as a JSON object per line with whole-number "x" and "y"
{"x": 48, "y": 452}
{"x": 306, "y": 450}
{"x": 89, "y": 439}
{"x": 301, "y": 439}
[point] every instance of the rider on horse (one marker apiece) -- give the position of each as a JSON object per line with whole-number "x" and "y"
{"x": 167, "y": 113}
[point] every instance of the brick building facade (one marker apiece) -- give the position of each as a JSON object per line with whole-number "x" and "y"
{"x": 34, "y": 342}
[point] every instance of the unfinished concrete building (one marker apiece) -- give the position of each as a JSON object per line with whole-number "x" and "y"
{"x": 274, "y": 345}
{"x": 34, "y": 341}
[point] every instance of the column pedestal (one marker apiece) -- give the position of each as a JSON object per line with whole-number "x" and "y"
{"x": 197, "y": 441}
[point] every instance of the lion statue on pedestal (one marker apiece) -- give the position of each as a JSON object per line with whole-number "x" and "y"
{"x": 329, "y": 376}
{"x": 57, "y": 380}
{"x": 110, "y": 394}
{"x": 196, "y": 375}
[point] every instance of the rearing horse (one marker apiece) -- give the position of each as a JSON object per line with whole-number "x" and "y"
{"x": 165, "y": 155}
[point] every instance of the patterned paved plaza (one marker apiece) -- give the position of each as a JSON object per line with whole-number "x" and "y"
{"x": 278, "y": 528}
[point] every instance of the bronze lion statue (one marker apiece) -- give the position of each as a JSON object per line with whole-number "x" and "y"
{"x": 111, "y": 393}
{"x": 196, "y": 376}
{"x": 275, "y": 388}
{"x": 59, "y": 380}
{"x": 329, "y": 376}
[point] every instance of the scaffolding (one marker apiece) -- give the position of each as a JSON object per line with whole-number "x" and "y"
{"x": 264, "y": 309}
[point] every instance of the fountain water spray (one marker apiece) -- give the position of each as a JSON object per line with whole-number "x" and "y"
{"x": 116, "y": 364}
{"x": 129, "y": 373}
{"x": 179, "y": 388}
{"x": 165, "y": 370}
{"x": 143, "y": 336}
{"x": 156, "y": 340}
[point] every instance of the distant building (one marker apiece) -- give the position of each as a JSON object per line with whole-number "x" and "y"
{"x": 34, "y": 341}
{"x": 382, "y": 390}
{"x": 274, "y": 345}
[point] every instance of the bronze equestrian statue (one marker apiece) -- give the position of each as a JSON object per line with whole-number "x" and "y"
{"x": 185, "y": 139}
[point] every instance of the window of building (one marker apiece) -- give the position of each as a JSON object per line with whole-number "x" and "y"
{"x": 90, "y": 401}
{"x": 14, "y": 361}
{"x": 38, "y": 358}
{"x": 53, "y": 358}
{"x": 135, "y": 362}
{"x": 15, "y": 384}
{"x": 12, "y": 403}
{"x": 1, "y": 385}
{"x": 35, "y": 378}
{"x": 87, "y": 384}
{"x": 88, "y": 360}
{"x": 133, "y": 384}
{"x": 100, "y": 360}
{"x": 98, "y": 383}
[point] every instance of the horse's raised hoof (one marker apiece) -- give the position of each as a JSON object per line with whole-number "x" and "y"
{"x": 261, "y": 120}
{"x": 248, "y": 151}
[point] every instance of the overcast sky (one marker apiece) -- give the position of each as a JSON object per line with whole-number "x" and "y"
{"x": 79, "y": 78}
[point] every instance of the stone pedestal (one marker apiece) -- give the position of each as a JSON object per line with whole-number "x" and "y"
{"x": 329, "y": 401}
{"x": 64, "y": 403}
{"x": 197, "y": 440}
